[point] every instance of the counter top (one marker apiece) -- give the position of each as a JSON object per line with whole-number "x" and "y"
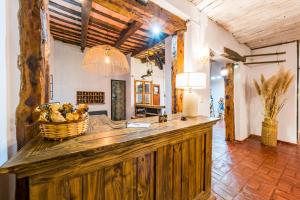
{"x": 39, "y": 153}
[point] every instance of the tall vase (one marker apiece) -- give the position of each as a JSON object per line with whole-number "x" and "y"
{"x": 269, "y": 132}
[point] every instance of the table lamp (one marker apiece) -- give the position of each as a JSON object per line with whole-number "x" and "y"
{"x": 189, "y": 81}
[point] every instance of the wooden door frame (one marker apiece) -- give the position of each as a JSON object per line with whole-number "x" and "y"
{"x": 229, "y": 104}
{"x": 111, "y": 92}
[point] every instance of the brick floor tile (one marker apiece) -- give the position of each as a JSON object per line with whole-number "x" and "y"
{"x": 250, "y": 171}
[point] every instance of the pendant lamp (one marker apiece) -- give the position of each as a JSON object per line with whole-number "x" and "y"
{"x": 105, "y": 60}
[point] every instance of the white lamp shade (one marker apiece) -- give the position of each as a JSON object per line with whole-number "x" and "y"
{"x": 191, "y": 80}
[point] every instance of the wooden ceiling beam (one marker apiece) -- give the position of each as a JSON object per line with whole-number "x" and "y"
{"x": 232, "y": 55}
{"x": 85, "y": 17}
{"x": 126, "y": 33}
{"x": 145, "y": 13}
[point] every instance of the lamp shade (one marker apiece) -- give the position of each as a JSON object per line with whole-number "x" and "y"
{"x": 105, "y": 60}
{"x": 191, "y": 80}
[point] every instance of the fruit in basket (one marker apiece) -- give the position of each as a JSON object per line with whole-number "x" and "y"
{"x": 56, "y": 112}
{"x": 72, "y": 116}
{"x": 56, "y": 117}
{"x": 43, "y": 116}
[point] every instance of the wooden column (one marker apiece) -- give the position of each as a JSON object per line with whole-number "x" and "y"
{"x": 229, "y": 103}
{"x": 33, "y": 65}
{"x": 178, "y": 67}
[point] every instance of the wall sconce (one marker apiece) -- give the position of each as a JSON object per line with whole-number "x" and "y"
{"x": 189, "y": 81}
{"x": 204, "y": 55}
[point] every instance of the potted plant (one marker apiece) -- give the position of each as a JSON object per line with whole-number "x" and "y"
{"x": 271, "y": 92}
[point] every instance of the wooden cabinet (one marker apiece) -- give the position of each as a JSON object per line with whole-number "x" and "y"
{"x": 164, "y": 162}
{"x": 143, "y": 92}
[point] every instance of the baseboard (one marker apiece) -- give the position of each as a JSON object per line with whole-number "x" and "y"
{"x": 284, "y": 142}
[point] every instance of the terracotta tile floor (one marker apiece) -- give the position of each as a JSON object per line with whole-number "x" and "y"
{"x": 248, "y": 170}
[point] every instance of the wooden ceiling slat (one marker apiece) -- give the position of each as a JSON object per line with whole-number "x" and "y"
{"x": 65, "y": 36}
{"x": 109, "y": 16}
{"x": 105, "y": 25}
{"x": 135, "y": 41}
{"x": 63, "y": 14}
{"x": 75, "y": 3}
{"x": 100, "y": 39}
{"x": 103, "y": 37}
{"x": 66, "y": 9}
{"x": 94, "y": 30}
{"x": 58, "y": 25}
{"x": 62, "y": 31}
{"x": 64, "y": 24}
{"x": 255, "y": 22}
{"x": 109, "y": 21}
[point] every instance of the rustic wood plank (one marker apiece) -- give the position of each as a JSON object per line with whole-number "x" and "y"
{"x": 192, "y": 168}
{"x": 233, "y": 55}
{"x": 278, "y": 22}
{"x": 130, "y": 179}
{"x": 185, "y": 170}
{"x": 75, "y": 188}
{"x": 33, "y": 65}
{"x": 145, "y": 174}
{"x": 229, "y": 103}
{"x": 177, "y": 169}
{"x": 93, "y": 185}
{"x": 164, "y": 169}
{"x": 114, "y": 182}
{"x": 85, "y": 18}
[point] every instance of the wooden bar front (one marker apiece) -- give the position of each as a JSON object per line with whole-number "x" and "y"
{"x": 166, "y": 161}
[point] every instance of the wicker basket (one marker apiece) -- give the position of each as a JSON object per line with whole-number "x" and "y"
{"x": 269, "y": 132}
{"x": 63, "y": 130}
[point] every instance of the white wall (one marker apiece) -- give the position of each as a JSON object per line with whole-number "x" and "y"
{"x": 201, "y": 32}
{"x": 287, "y": 117}
{"x": 69, "y": 77}
{"x": 9, "y": 88}
{"x": 3, "y": 85}
{"x": 137, "y": 70}
{"x": 241, "y": 102}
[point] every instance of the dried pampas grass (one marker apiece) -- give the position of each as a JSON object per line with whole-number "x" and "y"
{"x": 271, "y": 91}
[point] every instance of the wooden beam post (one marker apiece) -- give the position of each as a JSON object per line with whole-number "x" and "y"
{"x": 229, "y": 103}
{"x": 85, "y": 18}
{"x": 33, "y": 64}
{"x": 126, "y": 33}
{"x": 178, "y": 67}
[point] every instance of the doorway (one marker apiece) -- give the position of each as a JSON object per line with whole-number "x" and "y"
{"x": 217, "y": 99}
{"x": 118, "y": 100}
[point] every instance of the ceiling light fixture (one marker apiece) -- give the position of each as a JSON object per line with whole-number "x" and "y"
{"x": 156, "y": 29}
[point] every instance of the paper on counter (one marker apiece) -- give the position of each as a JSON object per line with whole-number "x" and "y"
{"x": 138, "y": 125}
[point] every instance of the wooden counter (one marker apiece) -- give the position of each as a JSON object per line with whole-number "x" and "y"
{"x": 166, "y": 161}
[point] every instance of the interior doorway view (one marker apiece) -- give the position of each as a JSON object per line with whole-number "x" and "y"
{"x": 217, "y": 93}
